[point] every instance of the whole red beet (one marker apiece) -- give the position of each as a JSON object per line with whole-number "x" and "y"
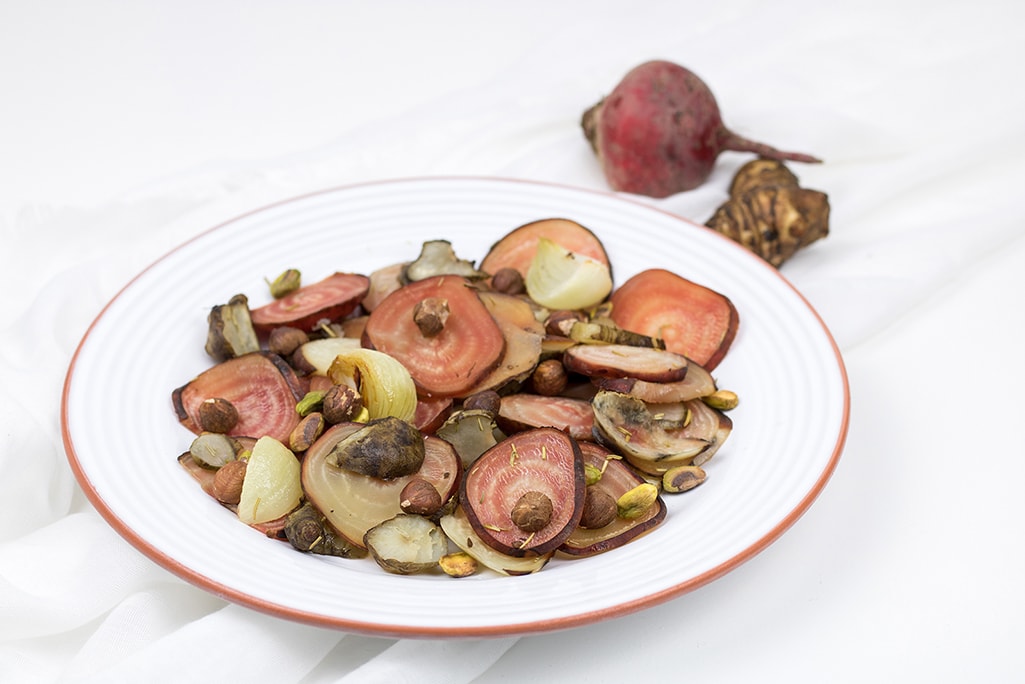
{"x": 659, "y": 132}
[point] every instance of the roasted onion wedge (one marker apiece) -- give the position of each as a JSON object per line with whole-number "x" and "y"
{"x": 545, "y": 462}
{"x": 260, "y": 385}
{"x": 617, "y": 479}
{"x": 630, "y": 428}
{"x": 331, "y": 298}
{"x": 354, "y": 503}
{"x": 526, "y": 411}
{"x": 451, "y": 361}
{"x": 625, "y": 361}
{"x": 518, "y": 247}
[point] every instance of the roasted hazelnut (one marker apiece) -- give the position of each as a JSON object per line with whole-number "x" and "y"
{"x": 341, "y": 403}
{"x": 508, "y": 281}
{"x": 488, "y": 400}
{"x": 217, "y": 415}
{"x": 599, "y": 509}
{"x": 227, "y": 487}
{"x": 549, "y": 378}
{"x": 532, "y": 511}
{"x": 285, "y": 340}
{"x": 420, "y": 497}
{"x": 430, "y": 315}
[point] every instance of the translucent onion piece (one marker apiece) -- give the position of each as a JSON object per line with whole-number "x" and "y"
{"x": 561, "y": 279}
{"x": 385, "y": 384}
{"x": 321, "y": 353}
{"x": 272, "y": 486}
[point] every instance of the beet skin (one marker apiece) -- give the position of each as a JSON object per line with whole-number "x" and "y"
{"x": 659, "y": 132}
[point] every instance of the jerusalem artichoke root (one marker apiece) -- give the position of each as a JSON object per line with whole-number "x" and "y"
{"x": 769, "y": 213}
{"x": 659, "y": 132}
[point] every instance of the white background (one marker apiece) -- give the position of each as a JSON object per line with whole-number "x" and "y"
{"x": 126, "y": 128}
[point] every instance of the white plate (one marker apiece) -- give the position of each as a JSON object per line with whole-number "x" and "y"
{"x": 122, "y": 437}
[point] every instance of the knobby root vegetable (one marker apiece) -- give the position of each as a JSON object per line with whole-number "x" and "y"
{"x": 770, "y": 213}
{"x": 660, "y": 131}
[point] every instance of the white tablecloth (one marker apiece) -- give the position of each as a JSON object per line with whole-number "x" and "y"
{"x": 127, "y": 128}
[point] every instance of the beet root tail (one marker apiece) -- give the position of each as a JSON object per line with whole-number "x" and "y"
{"x": 736, "y": 143}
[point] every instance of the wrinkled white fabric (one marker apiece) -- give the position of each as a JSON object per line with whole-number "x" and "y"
{"x": 908, "y": 567}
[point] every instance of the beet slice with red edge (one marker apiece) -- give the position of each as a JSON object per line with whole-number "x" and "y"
{"x": 543, "y": 463}
{"x": 447, "y": 362}
{"x": 260, "y": 385}
{"x": 692, "y": 319}
{"x": 332, "y": 298}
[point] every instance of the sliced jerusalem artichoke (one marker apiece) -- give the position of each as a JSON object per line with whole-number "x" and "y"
{"x": 329, "y": 299}
{"x": 231, "y": 332}
{"x": 353, "y": 503}
{"x": 458, "y": 529}
{"x": 692, "y": 319}
{"x": 406, "y": 544}
{"x": 437, "y": 258}
{"x": 623, "y": 361}
{"x": 262, "y": 388}
{"x": 630, "y": 428}
{"x": 616, "y": 480}
{"x": 523, "y": 335}
{"x": 525, "y": 495}
{"x": 471, "y": 432}
{"x": 451, "y": 361}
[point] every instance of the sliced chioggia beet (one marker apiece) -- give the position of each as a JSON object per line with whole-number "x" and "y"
{"x": 616, "y": 479}
{"x": 329, "y": 299}
{"x": 537, "y": 465}
{"x": 451, "y": 360}
{"x": 263, "y": 389}
{"x": 624, "y": 361}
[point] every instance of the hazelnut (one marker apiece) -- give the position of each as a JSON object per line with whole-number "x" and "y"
{"x": 228, "y": 479}
{"x": 599, "y": 509}
{"x": 217, "y": 415}
{"x": 340, "y": 404}
{"x": 285, "y": 340}
{"x": 430, "y": 315}
{"x": 549, "y": 378}
{"x": 420, "y": 497}
{"x": 488, "y": 400}
{"x": 508, "y": 281}
{"x": 532, "y": 511}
